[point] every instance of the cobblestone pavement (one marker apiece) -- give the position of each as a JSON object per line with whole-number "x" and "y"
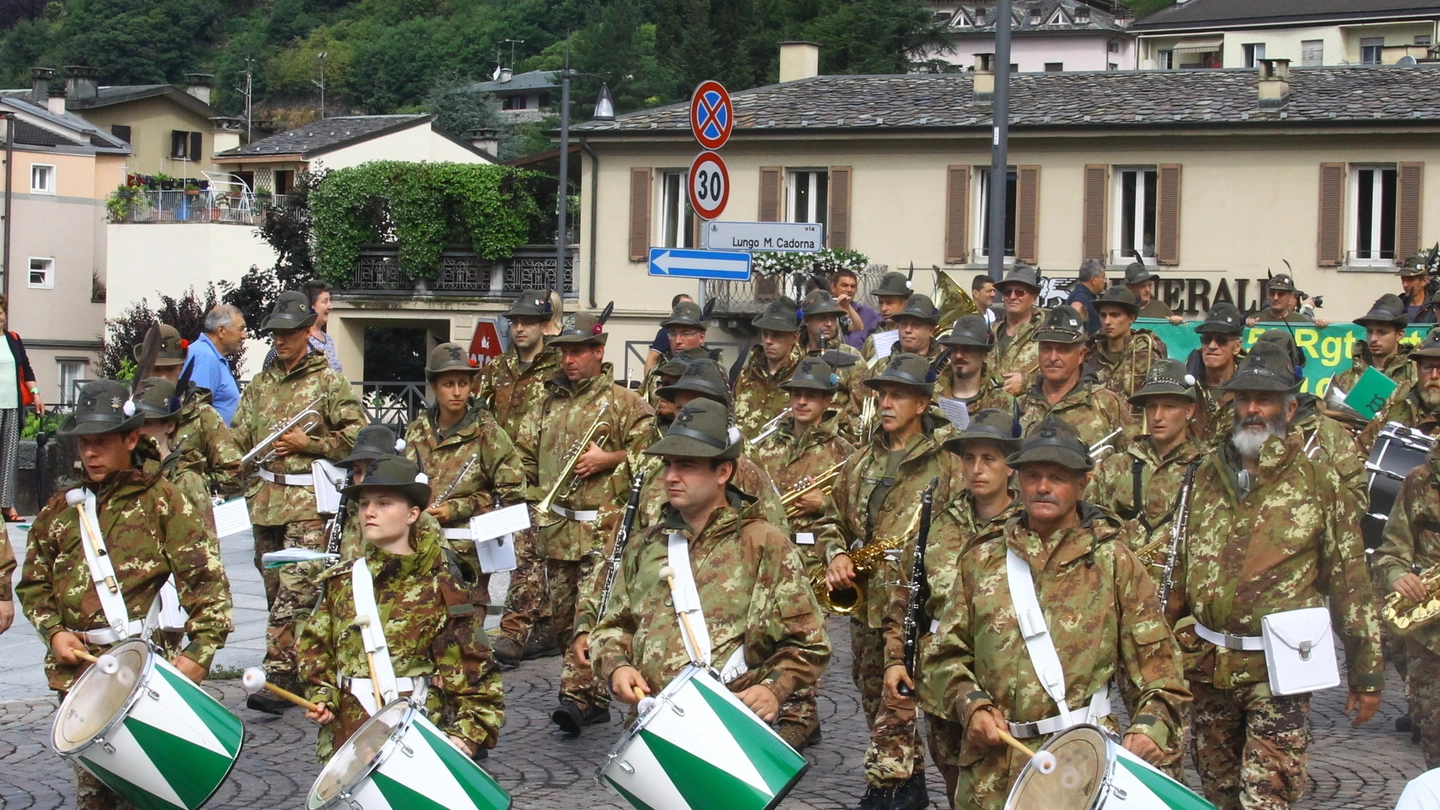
{"x": 1349, "y": 768}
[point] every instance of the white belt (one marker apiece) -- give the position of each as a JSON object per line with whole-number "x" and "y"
{"x": 107, "y": 635}
{"x": 1228, "y": 641}
{"x": 1099, "y": 707}
{"x": 401, "y": 684}
{"x": 286, "y": 480}
{"x": 457, "y": 534}
{"x": 581, "y": 515}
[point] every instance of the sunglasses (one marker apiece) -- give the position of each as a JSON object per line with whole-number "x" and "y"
{"x": 1014, "y": 292}
{"x": 1218, "y": 340}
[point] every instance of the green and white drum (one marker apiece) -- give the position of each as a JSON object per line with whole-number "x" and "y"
{"x": 697, "y": 746}
{"x": 147, "y": 731}
{"x": 1094, "y": 771}
{"x": 399, "y": 760}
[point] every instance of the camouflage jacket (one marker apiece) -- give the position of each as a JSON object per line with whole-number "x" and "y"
{"x": 496, "y": 474}
{"x": 1406, "y": 408}
{"x": 1292, "y": 542}
{"x": 1124, "y": 372}
{"x": 992, "y": 391}
{"x": 1412, "y": 537}
{"x": 512, "y": 389}
{"x": 1399, "y": 368}
{"x": 1216, "y": 414}
{"x": 860, "y": 510}
{"x": 1019, "y": 353}
{"x": 546, "y": 440}
{"x": 1103, "y": 613}
{"x": 1329, "y": 442}
{"x": 754, "y": 594}
{"x": 274, "y": 397}
{"x": 208, "y": 446}
{"x": 790, "y": 461}
{"x": 953, "y": 529}
{"x": 758, "y": 395}
{"x": 191, "y": 483}
{"x": 151, "y": 532}
{"x": 1093, "y": 411}
{"x": 1117, "y": 480}
{"x": 431, "y": 630}
{"x": 844, "y": 413}
{"x": 867, "y": 348}
{"x": 7, "y": 570}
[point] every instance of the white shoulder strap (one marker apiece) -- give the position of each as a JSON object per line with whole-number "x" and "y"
{"x": 97, "y": 558}
{"x": 687, "y": 600}
{"x": 372, "y": 637}
{"x": 1043, "y": 656}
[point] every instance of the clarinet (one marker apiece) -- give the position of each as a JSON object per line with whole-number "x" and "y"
{"x": 622, "y": 538}
{"x": 337, "y": 523}
{"x": 1177, "y": 534}
{"x": 919, "y": 586}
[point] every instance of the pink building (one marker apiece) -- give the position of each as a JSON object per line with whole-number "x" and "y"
{"x": 1046, "y": 35}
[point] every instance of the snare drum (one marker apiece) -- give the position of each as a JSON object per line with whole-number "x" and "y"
{"x": 1094, "y": 771}
{"x": 147, "y": 731}
{"x": 1398, "y": 450}
{"x": 430, "y": 771}
{"x": 698, "y": 746}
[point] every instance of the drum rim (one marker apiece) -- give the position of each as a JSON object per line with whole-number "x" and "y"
{"x": 380, "y": 758}
{"x": 146, "y": 670}
{"x": 641, "y": 721}
{"x": 1107, "y": 773}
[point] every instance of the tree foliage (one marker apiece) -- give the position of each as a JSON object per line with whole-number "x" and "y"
{"x": 288, "y": 228}
{"x": 186, "y": 313}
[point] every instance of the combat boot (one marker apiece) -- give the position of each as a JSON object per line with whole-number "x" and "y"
{"x": 912, "y": 795}
{"x": 542, "y": 642}
{"x": 507, "y": 651}
{"x": 571, "y": 718}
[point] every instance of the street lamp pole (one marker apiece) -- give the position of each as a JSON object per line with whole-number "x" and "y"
{"x": 562, "y": 198}
{"x": 999, "y": 143}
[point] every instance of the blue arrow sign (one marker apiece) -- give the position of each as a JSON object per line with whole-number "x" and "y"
{"x": 721, "y": 265}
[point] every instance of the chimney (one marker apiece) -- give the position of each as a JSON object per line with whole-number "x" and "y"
{"x": 1082, "y": 15}
{"x": 40, "y": 83}
{"x": 1274, "y": 84}
{"x": 225, "y": 133}
{"x": 984, "y": 77}
{"x": 799, "y": 60}
{"x": 55, "y": 103}
{"x": 486, "y": 140}
{"x": 506, "y": 74}
{"x": 81, "y": 82}
{"x": 198, "y": 85}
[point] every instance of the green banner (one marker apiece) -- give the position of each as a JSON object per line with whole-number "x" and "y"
{"x": 1328, "y": 351}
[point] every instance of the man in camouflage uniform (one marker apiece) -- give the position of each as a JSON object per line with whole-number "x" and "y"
{"x": 1416, "y": 405}
{"x": 281, "y": 494}
{"x": 968, "y": 377}
{"x": 1384, "y": 327}
{"x": 874, "y": 506}
{"x": 155, "y": 399}
{"x": 513, "y": 384}
{"x": 7, "y": 594}
{"x": 1065, "y": 390}
{"x": 201, "y": 437}
{"x": 1112, "y": 626}
{"x": 150, "y": 532}
{"x": 1282, "y": 303}
{"x": 1141, "y": 284}
{"x": 987, "y": 502}
{"x": 573, "y": 531}
{"x": 686, "y": 329}
{"x": 1212, "y": 365}
{"x": 1017, "y": 355}
{"x": 759, "y": 395}
{"x": 823, "y": 341}
{"x": 1120, "y": 354}
{"x": 916, "y": 324}
{"x": 890, "y": 294}
{"x": 435, "y": 638}
{"x": 766, "y": 633}
{"x": 1276, "y": 533}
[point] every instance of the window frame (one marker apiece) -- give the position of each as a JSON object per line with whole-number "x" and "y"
{"x": 818, "y": 204}
{"x": 50, "y": 173}
{"x": 1117, "y": 213}
{"x": 68, "y": 397}
{"x": 1378, "y": 50}
{"x": 48, "y": 270}
{"x": 1165, "y": 59}
{"x": 981, "y": 183}
{"x": 1253, "y": 53}
{"x": 676, "y": 212}
{"x": 1054, "y": 67}
{"x": 1377, "y": 208}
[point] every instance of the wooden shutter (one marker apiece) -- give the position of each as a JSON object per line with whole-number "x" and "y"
{"x": 1330, "y": 246}
{"x": 837, "y": 226}
{"x": 195, "y": 146}
{"x": 1027, "y": 215}
{"x": 639, "y": 214}
{"x": 957, "y": 209}
{"x": 1093, "y": 211}
{"x": 1167, "y": 215}
{"x": 1408, "y": 191}
{"x": 772, "y": 190}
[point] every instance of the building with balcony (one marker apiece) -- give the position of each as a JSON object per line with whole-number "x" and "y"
{"x": 1046, "y": 35}
{"x": 531, "y": 96}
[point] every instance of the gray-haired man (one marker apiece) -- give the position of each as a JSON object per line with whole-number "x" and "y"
{"x": 224, "y": 335}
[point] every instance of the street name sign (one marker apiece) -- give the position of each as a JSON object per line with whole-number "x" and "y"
{"x": 714, "y": 265}
{"x": 776, "y": 237}
{"x": 709, "y": 182}
{"x": 711, "y": 115}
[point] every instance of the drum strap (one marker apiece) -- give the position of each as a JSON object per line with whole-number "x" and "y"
{"x": 1043, "y": 656}
{"x": 372, "y": 637}
{"x": 102, "y": 573}
{"x": 171, "y": 616}
{"x": 687, "y": 600}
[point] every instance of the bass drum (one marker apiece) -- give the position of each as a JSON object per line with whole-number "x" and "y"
{"x": 1093, "y": 771}
{"x": 1397, "y": 451}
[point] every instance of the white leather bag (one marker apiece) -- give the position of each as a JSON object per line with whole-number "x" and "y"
{"x": 1300, "y": 651}
{"x": 328, "y": 481}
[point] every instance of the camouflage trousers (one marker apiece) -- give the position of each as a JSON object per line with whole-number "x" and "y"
{"x": 92, "y": 794}
{"x": 1249, "y": 746}
{"x": 526, "y": 604}
{"x": 800, "y": 710}
{"x": 564, "y": 579}
{"x": 943, "y": 737}
{"x": 895, "y": 751}
{"x": 1423, "y": 687}
{"x": 290, "y": 591}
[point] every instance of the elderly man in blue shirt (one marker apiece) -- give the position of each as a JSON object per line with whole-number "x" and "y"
{"x": 224, "y": 335}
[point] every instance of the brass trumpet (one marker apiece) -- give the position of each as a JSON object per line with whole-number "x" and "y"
{"x": 306, "y": 420}
{"x": 824, "y": 481}
{"x": 566, "y": 479}
{"x": 1404, "y": 615}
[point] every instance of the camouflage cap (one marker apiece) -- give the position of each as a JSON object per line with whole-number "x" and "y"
{"x": 155, "y": 399}
{"x": 104, "y": 407}
{"x": 894, "y": 284}
{"x": 449, "y": 357}
{"x": 921, "y": 308}
{"x": 585, "y": 328}
{"x": 1223, "y": 318}
{"x": 1286, "y": 341}
{"x": 701, "y": 430}
{"x": 173, "y": 348}
{"x": 1061, "y": 325}
{"x": 1387, "y": 309}
{"x": 1137, "y": 273}
{"x": 1281, "y": 283}
{"x": 970, "y": 331}
{"x": 1118, "y": 297}
{"x": 814, "y": 374}
{"x": 531, "y": 304}
{"x": 780, "y": 315}
{"x": 681, "y": 360}
{"x": 704, "y": 377}
{"x": 1166, "y": 378}
{"x": 1053, "y": 440}
{"x": 1266, "y": 368}
{"x": 1022, "y": 274}
{"x": 1429, "y": 347}
{"x": 395, "y": 472}
{"x": 820, "y": 302}
{"x": 905, "y": 369}
{"x": 989, "y": 425}
{"x": 291, "y": 311}
{"x": 373, "y": 441}
{"x": 685, "y": 313}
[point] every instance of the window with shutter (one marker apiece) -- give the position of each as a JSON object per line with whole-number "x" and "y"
{"x": 837, "y": 230}
{"x": 771, "y": 189}
{"x": 1027, "y": 215}
{"x": 1167, "y": 215}
{"x": 1093, "y": 212}
{"x": 639, "y": 214}
{"x": 1407, "y": 210}
{"x": 957, "y": 205}
{"x": 179, "y": 142}
{"x": 1330, "y": 245}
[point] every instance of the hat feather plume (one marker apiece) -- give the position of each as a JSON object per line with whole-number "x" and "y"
{"x": 707, "y": 309}
{"x": 149, "y": 353}
{"x": 606, "y": 313}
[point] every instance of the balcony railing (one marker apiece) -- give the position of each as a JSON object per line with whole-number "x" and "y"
{"x": 463, "y": 273}
{"x": 737, "y": 298}
{"x": 191, "y": 205}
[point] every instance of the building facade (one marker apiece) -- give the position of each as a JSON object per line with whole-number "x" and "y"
{"x": 1046, "y": 35}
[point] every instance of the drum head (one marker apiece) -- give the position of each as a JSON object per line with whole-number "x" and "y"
{"x": 359, "y": 755}
{"x": 1082, "y": 759}
{"x": 97, "y": 700}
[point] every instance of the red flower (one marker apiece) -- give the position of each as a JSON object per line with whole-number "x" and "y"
{"x": 596, "y": 329}
{"x": 184, "y": 344}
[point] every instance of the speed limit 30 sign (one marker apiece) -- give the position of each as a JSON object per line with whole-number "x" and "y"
{"x": 709, "y": 185}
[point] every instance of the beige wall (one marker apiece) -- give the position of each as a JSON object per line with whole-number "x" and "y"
{"x": 1342, "y": 43}
{"x": 151, "y": 121}
{"x": 417, "y": 143}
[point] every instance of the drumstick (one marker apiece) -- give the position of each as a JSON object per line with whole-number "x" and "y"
{"x": 639, "y": 693}
{"x": 363, "y": 621}
{"x": 1044, "y": 760}
{"x": 254, "y": 680}
{"x": 104, "y": 661}
{"x": 668, "y": 574}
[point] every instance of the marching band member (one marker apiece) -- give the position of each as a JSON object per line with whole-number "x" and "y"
{"x": 1212, "y": 365}
{"x": 7, "y": 592}
{"x": 372, "y": 443}
{"x": 588, "y": 495}
{"x": 916, "y": 324}
{"x": 759, "y": 391}
{"x": 1059, "y": 557}
{"x": 686, "y": 328}
{"x": 1382, "y": 350}
{"x": 155, "y": 399}
{"x": 757, "y": 617}
{"x": 890, "y": 294}
{"x": 1416, "y": 405}
{"x": 1122, "y": 355}
{"x": 148, "y": 533}
{"x": 968, "y": 377}
{"x": 823, "y": 340}
{"x": 201, "y": 435}
{"x": 1017, "y": 355}
{"x": 1064, "y": 389}
{"x": 433, "y": 638}
{"x": 281, "y": 496}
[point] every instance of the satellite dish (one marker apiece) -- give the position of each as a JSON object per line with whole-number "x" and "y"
{"x": 1405, "y": 61}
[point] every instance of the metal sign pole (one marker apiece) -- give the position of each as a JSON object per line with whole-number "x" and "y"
{"x": 999, "y": 146}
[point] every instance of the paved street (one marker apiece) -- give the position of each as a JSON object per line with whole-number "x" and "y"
{"x": 1364, "y": 768}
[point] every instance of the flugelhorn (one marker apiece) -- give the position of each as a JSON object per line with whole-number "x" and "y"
{"x": 823, "y": 482}
{"x": 307, "y": 419}
{"x": 566, "y": 478}
{"x": 1335, "y": 407}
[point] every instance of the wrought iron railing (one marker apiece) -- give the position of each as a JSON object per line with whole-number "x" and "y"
{"x": 734, "y": 298}
{"x": 395, "y": 404}
{"x": 191, "y": 205}
{"x": 462, "y": 272}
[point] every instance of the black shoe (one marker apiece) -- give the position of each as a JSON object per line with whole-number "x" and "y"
{"x": 912, "y": 795}
{"x": 876, "y": 798}
{"x": 506, "y": 650}
{"x": 1402, "y": 723}
{"x": 542, "y": 642}
{"x": 269, "y": 704}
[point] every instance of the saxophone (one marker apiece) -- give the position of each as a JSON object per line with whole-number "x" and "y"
{"x": 1404, "y": 615}
{"x": 846, "y": 602}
